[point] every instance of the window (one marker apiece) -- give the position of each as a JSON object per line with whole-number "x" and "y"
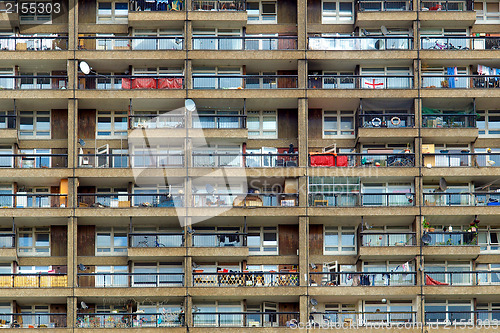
{"x": 159, "y": 196}
{"x": 214, "y": 156}
{"x": 491, "y": 275}
{"x": 489, "y": 239}
{"x": 488, "y": 312}
{"x": 6, "y": 201}
{"x": 5, "y": 268}
{"x": 157, "y": 119}
{"x": 340, "y": 240}
{"x": 34, "y": 197}
{"x": 32, "y": 161}
{"x": 111, "y": 196}
{"x": 209, "y": 79}
{"x": 334, "y": 191}
{"x": 111, "y": 241}
{"x": 228, "y": 39}
{"x": 171, "y": 315}
{"x": 7, "y": 118}
{"x": 174, "y": 42}
{"x": 262, "y": 12}
{"x": 435, "y": 77}
{"x": 118, "y": 276}
{"x": 39, "y": 17}
{"x": 35, "y": 315}
{"x": 157, "y": 237}
{"x": 448, "y": 311}
{"x": 34, "y": 124}
{"x": 112, "y": 124}
{"x": 6, "y": 82}
{"x": 229, "y": 320}
{"x": 112, "y": 12}
{"x": 262, "y": 240}
{"x": 33, "y": 269}
{"x": 337, "y": 12}
{"x": 34, "y": 241}
{"x": 222, "y": 119}
{"x": 388, "y": 312}
{"x": 211, "y": 239}
{"x": 433, "y": 37}
{"x": 6, "y": 161}
{"x": 331, "y": 80}
{"x": 156, "y": 156}
{"x": 338, "y": 123}
{"x": 488, "y": 122}
{"x": 262, "y": 124}
{"x": 392, "y": 78}
{"x": 397, "y": 194}
{"x": 336, "y": 313}
{"x": 391, "y": 279}
{"x": 487, "y": 12}
{"x": 35, "y": 80}
{"x": 160, "y": 274}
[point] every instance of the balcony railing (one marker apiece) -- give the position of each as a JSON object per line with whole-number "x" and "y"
{"x": 362, "y": 160}
{"x": 153, "y": 121}
{"x": 384, "y": 5}
{"x": 125, "y": 200}
{"x": 461, "y": 81}
{"x": 146, "y": 160}
{"x": 7, "y": 241}
{"x": 8, "y": 121}
{"x": 448, "y": 6}
{"x": 366, "y": 318}
{"x": 244, "y": 43}
{"x": 129, "y": 320}
{"x": 461, "y": 317}
{"x": 33, "y": 43}
{"x": 29, "y": 82}
{"x": 239, "y": 279}
{"x": 345, "y": 43}
{"x": 33, "y": 320}
{"x": 360, "y": 82}
{"x": 204, "y": 239}
{"x": 219, "y": 121}
{"x": 244, "y": 319}
{"x": 449, "y": 120}
{"x": 39, "y": 280}
{"x": 28, "y": 161}
{"x": 462, "y": 199}
{"x": 388, "y": 239}
{"x": 390, "y": 120}
{"x": 459, "y": 43}
{"x": 33, "y": 200}
{"x": 352, "y": 199}
{"x": 354, "y": 279}
{"x": 124, "y": 280}
{"x": 449, "y": 160}
{"x": 246, "y": 200}
{"x": 156, "y": 240}
{"x": 244, "y": 81}
{"x": 247, "y": 160}
{"x": 455, "y": 238}
{"x": 461, "y": 278}
{"x": 155, "y": 5}
{"x": 219, "y": 5}
{"x": 134, "y": 43}
{"x": 127, "y": 82}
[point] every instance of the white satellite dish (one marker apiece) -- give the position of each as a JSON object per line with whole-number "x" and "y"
{"x": 190, "y": 105}
{"x": 85, "y": 68}
{"x": 384, "y": 30}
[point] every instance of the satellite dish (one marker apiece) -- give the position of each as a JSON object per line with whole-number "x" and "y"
{"x": 313, "y": 266}
{"x": 81, "y": 142}
{"x": 190, "y": 105}
{"x": 314, "y": 302}
{"x": 442, "y": 184}
{"x": 85, "y": 68}
{"x": 82, "y": 267}
{"x": 84, "y": 306}
{"x": 210, "y": 189}
{"x": 384, "y": 30}
{"x": 426, "y": 239}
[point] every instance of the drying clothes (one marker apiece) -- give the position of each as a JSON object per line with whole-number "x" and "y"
{"x": 451, "y": 80}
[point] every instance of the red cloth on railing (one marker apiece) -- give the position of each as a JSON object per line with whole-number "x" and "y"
{"x": 322, "y": 160}
{"x": 342, "y": 161}
{"x": 171, "y": 83}
{"x": 125, "y": 83}
{"x": 144, "y": 83}
{"x": 431, "y": 282}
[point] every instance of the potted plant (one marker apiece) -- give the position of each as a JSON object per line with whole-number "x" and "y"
{"x": 425, "y": 225}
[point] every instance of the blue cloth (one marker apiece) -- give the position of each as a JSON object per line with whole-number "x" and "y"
{"x": 451, "y": 80}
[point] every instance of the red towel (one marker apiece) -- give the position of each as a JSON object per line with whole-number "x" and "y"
{"x": 431, "y": 282}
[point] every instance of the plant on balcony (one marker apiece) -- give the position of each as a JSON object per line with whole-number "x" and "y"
{"x": 425, "y": 225}
{"x": 473, "y": 225}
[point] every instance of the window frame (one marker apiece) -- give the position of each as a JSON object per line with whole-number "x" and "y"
{"x": 261, "y": 17}
{"x": 336, "y": 18}
{"x": 35, "y": 133}
{"x": 114, "y": 133}
{"x": 37, "y": 18}
{"x": 261, "y": 114}
{"x": 114, "y": 250}
{"x": 253, "y": 232}
{"x": 113, "y": 18}
{"x": 339, "y": 115}
{"x": 340, "y": 231}
{"x": 33, "y": 250}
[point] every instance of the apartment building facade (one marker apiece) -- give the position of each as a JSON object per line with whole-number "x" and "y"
{"x": 196, "y": 166}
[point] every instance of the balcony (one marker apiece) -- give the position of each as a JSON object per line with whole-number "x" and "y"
{"x": 355, "y": 279}
{"x": 33, "y": 320}
{"x": 460, "y": 81}
{"x": 30, "y": 161}
{"x": 157, "y": 121}
{"x": 33, "y": 82}
{"x": 389, "y": 120}
{"x": 33, "y": 43}
{"x": 131, "y": 43}
{"x": 155, "y": 5}
{"x": 219, "y": 5}
{"x": 355, "y": 199}
{"x": 144, "y": 160}
{"x": 462, "y": 199}
{"x": 244, "y": 81}
{"x": 460, "y": 43}
{"x": 126, "y": 200}
{"x": 230, "y": 240}
{"x": 460, "y": 316}
{"x": 127, "y": 82}
{"x": 33, "y": 200}
{"x": 384, "y": 5}
{"x": 244, "y": 43}
{"x": 244, "y": 319}
{"x": 343, "y": 43}
{"x": 449, "y": 120}
{"x": 348, "y": 318}
{"x": 129, "y": 320}
{"x": 455, "y": 238}
{"x": 247, "y": 160}
{"x": 360, "y": 82}
{"x": 40, "y": 280}
{"x": 462, "y": 160}
{"x": 362, "y": 160}
{"x": 246, "y": 200}
{"x": 134, "y": 280}
{"x": 156, "y": 240}
{"x": 447, "y": 6}
{"x": 244, "y": 279}
{"x": 461, "y": 278}
{"x": 379, "y": 239}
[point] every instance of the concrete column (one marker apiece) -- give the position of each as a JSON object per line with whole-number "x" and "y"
{"x": 303, "y": 250}
{"x": 416, "y": 76}
{"x": 188, "y": 310}
{"x": 304, "y": 309}
{"x": 71, "y": 311}
{"x": 188, "y": 34}
{"x": 73, "y": 25}
{"x": 303, "y": 132}
{"x": 188, "y": 74}
{"x": 302, "y": 73}
{"x": 301, "y": 24}
{"x": 416, "y": 35}
{"x": 188, "y": 271}
{"x": 72, "y": 133}
{"x": 72, "y": 200}
{"x": 72, "y": 263}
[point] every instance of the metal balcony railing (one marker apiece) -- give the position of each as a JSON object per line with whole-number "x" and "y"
{"x": 33, "y": 200}
{"x": 219, "y": 5}
{"x": 134, "y": 43}
{"x": 460, "y": 317}
{"x": 384, "y": 5}
{"x": 347, "y": 43}
{"x": 154, "y": 121}
{"x": 360, "y": 82}
{"x": 239, "y": 279}
{"x": 155, "y": 5}
{"x": 462, "y": 199}
{"x": 129, "y": 320}
{"x": 219, "y": 121}
{"x": 124, "y": 280}
{"x": 125, "y": 200}
{"x": 244, "y": 81}
{"x": 33, "y": 43}
{"x": 362, "y": 160}
{"x": 145, "y": 160}
{"x": 353, "y": 199}
{"x": 459, "y": 43}
{"x": 454, "y": 238}
{"x": 448, "y": 6}
{"x": 38, "y": 280}
{"x": 246, "y": 200}
{"x": 29, "y": 161}
{"x": 244, "y": 43}
{"x": 30, "y": 82}
{"x": 247, "y": 160}
{"x": 354, "y": 279}
{"x": 449, "y": 120}
{"x": 463, "y": 278}
{"x": 156, "y": 240}
{"x": 33, "y": 320}
{"x": 377, "y": 239}
{"x": 244, "y": 319}
{"x": 7, "y": 241}
{"x": 204, "y": 239}
{"x": 461, "y": 81}
{"x": 126, "y": 82}
{"x": 389, "y": 120}
{"x": 449, "y": 160}
{"x": 348, "y": 318}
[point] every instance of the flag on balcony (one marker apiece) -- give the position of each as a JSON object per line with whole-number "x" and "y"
{"x": 431, "y": 282}
{"x": 373, "y": 83}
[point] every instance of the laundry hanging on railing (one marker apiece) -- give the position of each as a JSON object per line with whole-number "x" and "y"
{"x": 451, "y": 80}
{"x": 485, "y": 70}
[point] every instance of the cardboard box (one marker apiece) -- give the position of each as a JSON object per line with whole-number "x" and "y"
{"x": 21, "y": 47}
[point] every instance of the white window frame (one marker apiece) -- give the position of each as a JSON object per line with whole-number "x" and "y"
{"x": 113, "y": 132}
{"x": 262, "y": 133}
{"x": 340, "y": 132}
{"x": 111, "y": 280}
{"x": 447, "y": 304}
{"x": 6, "y": 82}
{"x": 265, "y": 247}
{"x": 214, "y": 43}
{"x": 6, "y": 161}
{"x": 32, "y": 309}
{"x": 485, "y": 17}
{"x": 34, "y": 161}
{"x": 158, "y": 44}
{"x": 485, "y": 132}
{"x": 261, "y": 17}
{"x": 488, "y": 246}
{"x": 112, "y": 18}
{"x": 340, "y": 230}
{"x": 35, "y": 133}
{"x": 147, "y": 156}
{"x": 37, "y": 18}
{"x": 33, "y": 250}
{"x": 218, "y": 160}
{"x": 338, "y": 17}
{"x": 155, "y": 275}
{"x": 373, "y": 318}
{"x": 114, "y": 250}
